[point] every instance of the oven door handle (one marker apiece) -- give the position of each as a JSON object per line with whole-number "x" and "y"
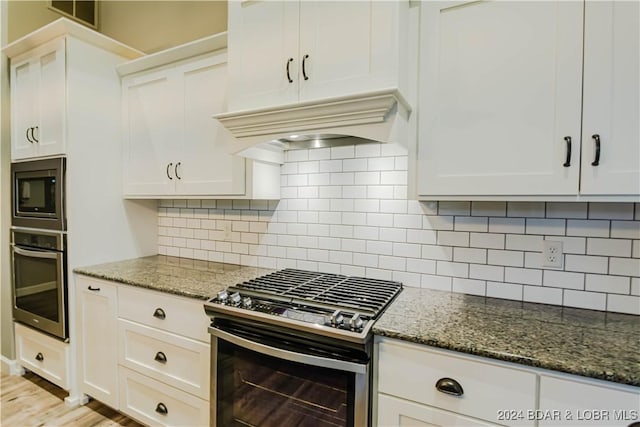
{"x": 36, "y": 254}
{"x": 288, "y": 355}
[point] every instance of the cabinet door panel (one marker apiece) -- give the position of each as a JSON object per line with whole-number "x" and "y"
{"x": 51, "y": 100}
{"x": 206, "y": 168}
{"x": 611, "y": 98}
{"x": 150, "y": 134}
{"x": 263, "y": 35}
{"x": 498, "y": 98}
{"x": 24, "y": 110}
{"x": 350, "y": 46}
{"x": 97, "y": 339}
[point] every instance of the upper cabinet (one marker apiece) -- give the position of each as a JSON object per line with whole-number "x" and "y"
{"x": 284, "y": 52}
{"x": 172, "y": 145}
{"x": 38, "y": 101}
{"x": 504, "y": 110}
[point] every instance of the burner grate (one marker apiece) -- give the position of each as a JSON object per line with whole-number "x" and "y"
{"x": 355, "y": 293}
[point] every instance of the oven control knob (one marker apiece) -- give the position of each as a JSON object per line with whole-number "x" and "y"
{"x": 235, "y": 298}
{"x": 222, "y": 296}
{"x": 356, "y": 323}
{"x": 246, "y": 302}
{"x": 336, "y": 319}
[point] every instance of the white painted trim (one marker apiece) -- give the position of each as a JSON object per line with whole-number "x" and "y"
{"x": 11, "y": 366}
{"x": 75, "y": 401}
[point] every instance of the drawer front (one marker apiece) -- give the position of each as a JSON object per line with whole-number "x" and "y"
{"x": 154, "y": 403}
{"x": 567, "y": 402}
{"x": 180, "y": 362}
{"x": 411, "y": 371}
{"x": 43, "y": 355}
{"x": 182, "y": 316}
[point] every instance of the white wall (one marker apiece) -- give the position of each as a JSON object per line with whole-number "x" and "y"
{"x": 345, "y": 210}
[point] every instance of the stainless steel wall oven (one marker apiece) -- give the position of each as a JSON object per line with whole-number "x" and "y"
{"x": 294, "y": 348}
{"x": 39, "y": 270}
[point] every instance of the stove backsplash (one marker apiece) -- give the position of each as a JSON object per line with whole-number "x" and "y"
{"x": 345, "y": 210}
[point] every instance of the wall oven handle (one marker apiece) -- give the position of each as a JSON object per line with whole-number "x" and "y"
{"x": 35, "y": 254}
{"x": 288, "y": 355}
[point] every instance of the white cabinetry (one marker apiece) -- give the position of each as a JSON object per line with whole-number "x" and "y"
{"x": 440, "y": 381}
{"x": 283, "y": 52}
{"x": 96, "y": 317}
{"x": 43, "y": 355}
{"x": 577, "y": 403}
{"x": 172, "y": 145}
{"x": 502, "y": 114}
{"x": 38, "y": 101}
{"x": 143, "y": 352}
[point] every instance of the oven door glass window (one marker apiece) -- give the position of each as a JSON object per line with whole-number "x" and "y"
{"x": 36, "y": 196}
{"x": 258, "y": 390}
{"x": 37, "y": 282}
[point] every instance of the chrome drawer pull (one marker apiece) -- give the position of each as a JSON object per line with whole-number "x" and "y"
{"x": 449, "y": 386}
{"x": 159, "y": 313}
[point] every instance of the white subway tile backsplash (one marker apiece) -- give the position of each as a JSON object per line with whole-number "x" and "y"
{"x": 588, "y": 300}
{"x": 345, "y": 210}
{"x": 623, "y": 304}
{"x": 563, "y": 279}
{"x": 505, "y": 290}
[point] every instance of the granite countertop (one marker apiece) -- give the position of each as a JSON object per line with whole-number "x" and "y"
{"x": 582, "y": 342}
{"x": 179, "y": 276}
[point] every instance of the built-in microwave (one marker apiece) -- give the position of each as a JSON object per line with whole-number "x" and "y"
{"x": 38, "y": 191}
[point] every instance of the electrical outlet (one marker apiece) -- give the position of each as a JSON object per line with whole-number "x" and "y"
{"x": 552, "y": 254}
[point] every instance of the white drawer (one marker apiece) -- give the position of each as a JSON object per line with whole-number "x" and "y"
{"x": 182, "y": 316}
{"x": 411, "y": 371}
{"x": 43, "y": 355}
{"x": 146, "y": 400}
{"x": 180, "y": 362}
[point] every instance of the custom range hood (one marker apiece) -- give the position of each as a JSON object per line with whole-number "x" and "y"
{"x": 264, "y": 134}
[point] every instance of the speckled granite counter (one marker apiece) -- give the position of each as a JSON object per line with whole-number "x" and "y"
{"x": 179, "y": 276}
{"x": 582, "y": 342}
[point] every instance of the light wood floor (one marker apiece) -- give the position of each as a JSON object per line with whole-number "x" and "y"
{"x": 30, "y": 401}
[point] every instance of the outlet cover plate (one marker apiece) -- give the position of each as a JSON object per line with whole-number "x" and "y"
{"x": 552, "y": 255}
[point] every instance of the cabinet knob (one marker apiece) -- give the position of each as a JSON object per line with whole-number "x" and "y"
{"x": 159, "y": 313}
{"x": 160, "y": 357}
{"x": 596, "y": 139}
{"x": 169, "y": 167}
{"x": 304, "y": 69}
{"x": 39, "y": 357}
{"x": 162, "y": 409}
{"x": 289, "y": 61}
{"x": 175, "y": 171}
{"x": 567, "y": 161}
{"x": 449, "y": 386}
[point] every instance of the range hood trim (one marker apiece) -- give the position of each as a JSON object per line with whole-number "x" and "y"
{"x": 342, "y": 111}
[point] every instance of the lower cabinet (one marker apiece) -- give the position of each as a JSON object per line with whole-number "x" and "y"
{"x": 43, "y": 355}
{"x": 422, "y": 386}
{"x": 151, "y": 363}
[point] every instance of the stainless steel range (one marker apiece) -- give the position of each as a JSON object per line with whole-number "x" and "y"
{"x": 294, "y": 348}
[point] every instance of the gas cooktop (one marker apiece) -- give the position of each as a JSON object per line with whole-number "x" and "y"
{"x": 332, "y": 305}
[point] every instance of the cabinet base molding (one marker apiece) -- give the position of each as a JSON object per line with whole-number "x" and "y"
{"x": 11, "y": 366}
{"x": 75, "y": 401}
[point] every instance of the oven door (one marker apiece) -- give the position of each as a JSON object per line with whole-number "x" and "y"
{"x": 39, "y": 289}
{"x": 271, "y": 379}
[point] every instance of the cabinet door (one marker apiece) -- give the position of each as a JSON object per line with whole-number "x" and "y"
{"x": 263, "y": 43}
{"x": 574, "y": 403}
{"x": 498, "y": 98}
{"x": 394, "y": 412}
{"x": 611, "y": 100}
{"x": 205, "y": 167}
{"x": 151, "y": 132}
{"x": 38, "y": 101}
{"x": 51, "y": 99}
{"x": 97, "y": 339}
{"x": 347, "y": 47}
